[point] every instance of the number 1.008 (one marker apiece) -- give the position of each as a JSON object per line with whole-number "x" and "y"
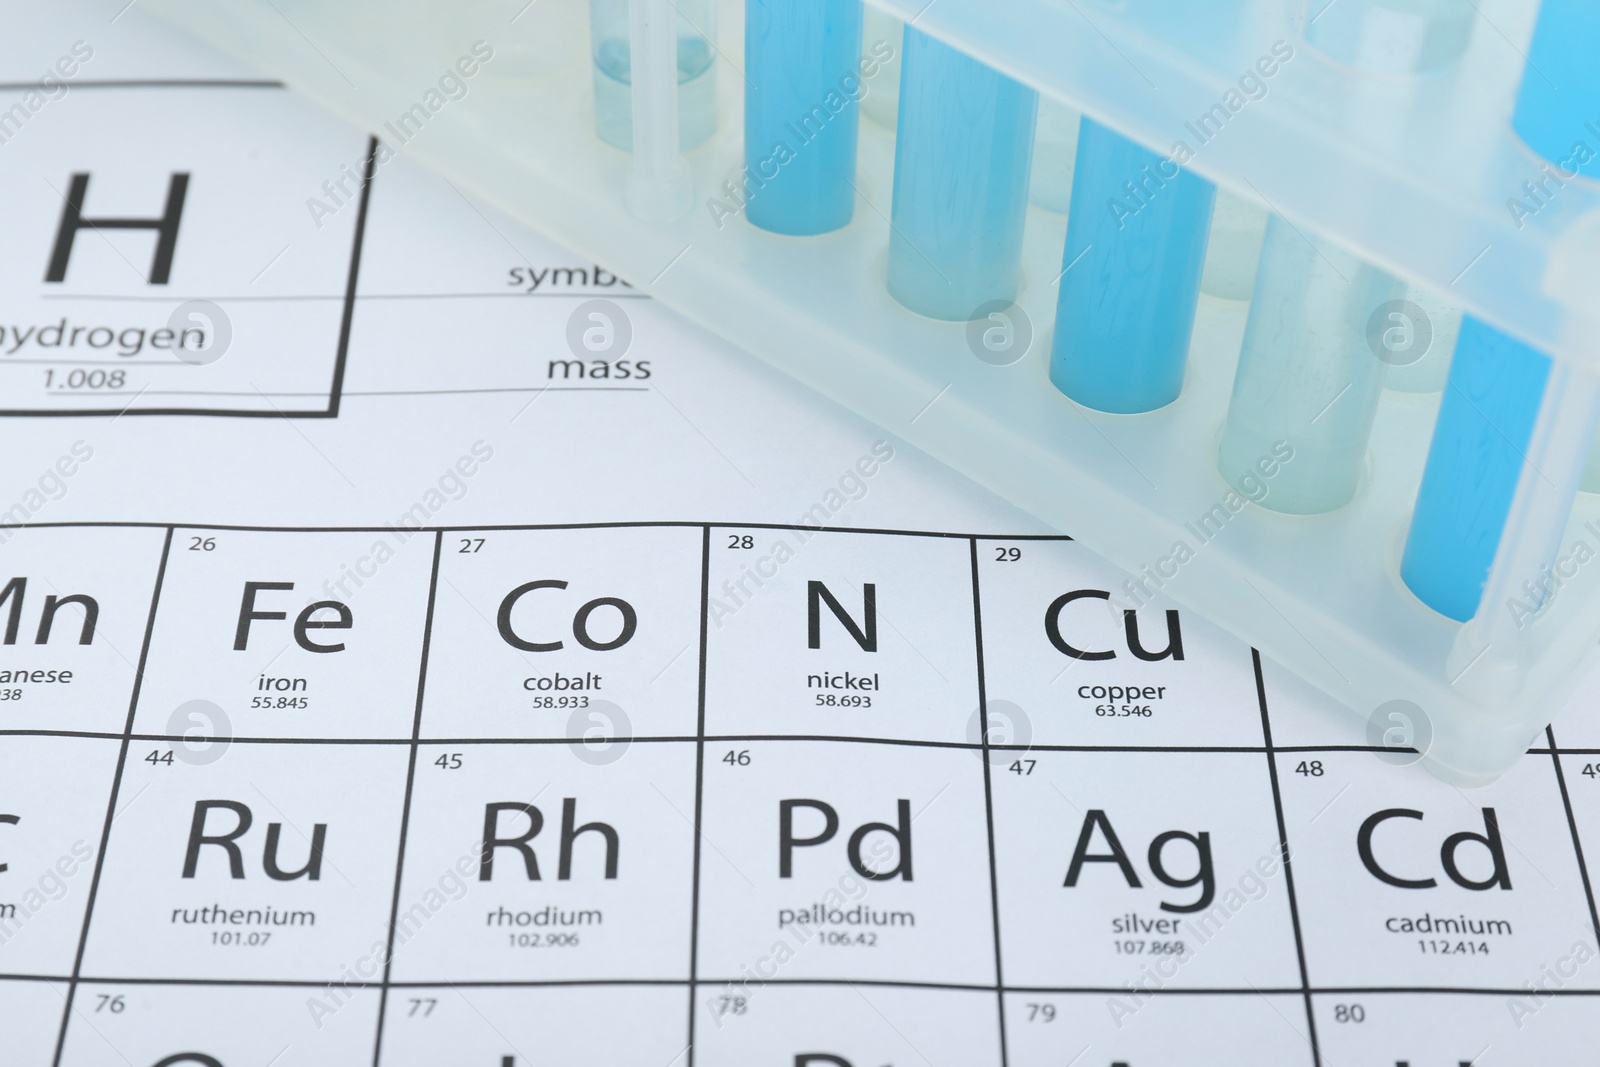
{"x": 78, "y": 378}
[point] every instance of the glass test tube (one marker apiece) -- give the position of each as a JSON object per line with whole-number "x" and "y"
{"x": 1308, "y": 383}
{"x": 610, "y": 36}
{"x": 1136, "y": 244}
{"x": 803, "y": 87}
{"x": 1496, "y": 385}
{"x": 962, "y": 153}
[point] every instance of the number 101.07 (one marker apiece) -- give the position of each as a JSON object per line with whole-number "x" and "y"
{"x": 240, "y": 937}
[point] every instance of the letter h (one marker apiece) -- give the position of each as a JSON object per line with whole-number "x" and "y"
{"x": 73, "y": 220}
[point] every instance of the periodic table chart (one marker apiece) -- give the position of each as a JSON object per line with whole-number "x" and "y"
{"x": 388, "y": 677}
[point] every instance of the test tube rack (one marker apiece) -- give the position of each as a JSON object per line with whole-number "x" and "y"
{"x": 1400, "y": 158}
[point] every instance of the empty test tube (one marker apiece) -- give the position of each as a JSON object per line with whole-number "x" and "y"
{"x": 1308, "y": 382}
{"x": 963, "y": 147}
{"x": 803, "y": 87}
{"x": 1136, "y": 245}
{"x": 1496, "y": 385}
{"x": 1238, "y": 227}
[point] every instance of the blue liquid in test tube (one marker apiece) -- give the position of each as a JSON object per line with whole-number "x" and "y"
{"x": 963, "y": 149}
{"x": 1558, "y": 105}
{"x": 1136, "y": 246}
{"x": 1496, "y": 384}
{"x": 801, "y": 108}
{"x": 1491, "y": 401}
{"x": 610, "y": 37}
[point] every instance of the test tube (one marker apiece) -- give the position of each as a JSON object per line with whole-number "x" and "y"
{"x": 658, "y": 187}
{"x": 1561, "y": 87}
{"x": 1496, "y": 385}
{"x": 611, "y": 38}
{"x": 1308, "y": 382}
{"x": 1136, "y": 244}
{"x": 962, "y": 152}
{"x": 1486, "y": 419}
{"x": 1238, "y": 227}
{"x": 803, "y": 87}
{"x": 1391, "y": 36}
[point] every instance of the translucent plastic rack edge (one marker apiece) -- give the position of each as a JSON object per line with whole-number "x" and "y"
{"x": 1411, "y": 174}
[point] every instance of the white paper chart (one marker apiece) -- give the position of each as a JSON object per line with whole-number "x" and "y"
{"x": 392, "y": 672}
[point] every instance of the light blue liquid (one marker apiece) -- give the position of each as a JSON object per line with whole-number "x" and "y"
{"x": 801, "y": 109}
{"x": 1486, "y": 417}
{"x": 963, "y": 148}
{"x": 1496, "y": 384}
{"x": 1308, "y": 383}
{"x": 613, "y": 92}
{"x": 1559, "y": 102}
{"x": 1136, "y": 246}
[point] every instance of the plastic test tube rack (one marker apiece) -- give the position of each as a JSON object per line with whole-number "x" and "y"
{"x": 1410, "y": 173}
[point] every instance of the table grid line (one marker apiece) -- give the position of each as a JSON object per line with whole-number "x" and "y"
{"x": 886, "y": 983}
{"x": 681, "y": 739}
{"x": 405, "y": 808}
{"x": 663, "y": 524}
{"x": 1284, "y": 855}
{"x": 347, "y": 299}
{"x": 699, "y": 789}
{"x": 988, "y": 804}
{"x": 111, "y": 802}
{"x": 341, "y": 353}
{"x": 1306, "y": 990}
{"x": 1572, "y": 827}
